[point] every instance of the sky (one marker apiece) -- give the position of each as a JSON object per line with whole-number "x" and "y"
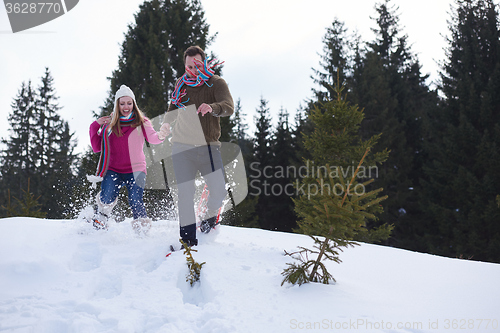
{"x": 269, "y": 49}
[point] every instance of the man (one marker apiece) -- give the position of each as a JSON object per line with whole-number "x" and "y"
{"x": 198, "y": 100}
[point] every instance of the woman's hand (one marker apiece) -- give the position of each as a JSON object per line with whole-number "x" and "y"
{"x": 164, "y": 131}
{"x": 104, "y": 120}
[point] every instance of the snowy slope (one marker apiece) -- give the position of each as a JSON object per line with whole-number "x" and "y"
{"x": 61, "y": 276}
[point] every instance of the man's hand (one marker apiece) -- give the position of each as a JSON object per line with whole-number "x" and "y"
{"x": 204, "y": 109}
{"x": 164, "y": 131}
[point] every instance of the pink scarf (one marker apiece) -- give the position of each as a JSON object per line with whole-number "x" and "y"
{"x": 106, "y": 130}
{"x": 206, "y": 71}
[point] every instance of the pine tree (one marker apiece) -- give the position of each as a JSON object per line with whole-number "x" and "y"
{"x": 29, "y": 205}
{"x": 40, "y": 148}
{"x": 334, "y": 209}
{"x": 243, "y": 215}
{"x": 152, "y": 53}
{"x": 383, "y": 112}
{"x": 150, "y": 62}
{"x": 463, "y": 174}
{"x": 55, "y": 145}
{"x": 281, "y": 214}
{"x": 18, "y": 158}
{"x": 301, "y": 128}
{"x": 262, "y": 158}
{"x": 240, "y": 135}
{"x": 227, "y": 125}
{"x": 262, "y": 140}
{"x": 240, "y": 128}
{"x": 336, "y": 59}
{"x": 388, "y": 85}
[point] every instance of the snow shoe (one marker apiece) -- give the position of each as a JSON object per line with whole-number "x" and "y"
{"x": 100, "y": 218}
{"x": 211, "y": 220}
{"x": 208, "y": 224}
{"x": 188, "y": 242}
{"x": 142, "y": 225}
{"x": 99, "y": 221}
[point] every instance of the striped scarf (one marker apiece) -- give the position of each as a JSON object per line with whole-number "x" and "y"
{"x": 106, "y": 130}
{"x": 205, "y": 72}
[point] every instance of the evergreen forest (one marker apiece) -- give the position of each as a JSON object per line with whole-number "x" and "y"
{"x": 434, "y": 149}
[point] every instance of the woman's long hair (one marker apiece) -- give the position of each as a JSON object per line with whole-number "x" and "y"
{"x": 115, "y": 118}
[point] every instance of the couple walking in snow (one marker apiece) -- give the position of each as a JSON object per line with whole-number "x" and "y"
{"x": 199, "y": 95}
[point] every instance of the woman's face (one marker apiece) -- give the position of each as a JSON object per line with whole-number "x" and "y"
{"x": 126, "y": 105}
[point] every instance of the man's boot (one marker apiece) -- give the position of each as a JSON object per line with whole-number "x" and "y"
{"x": 209, "y": 222}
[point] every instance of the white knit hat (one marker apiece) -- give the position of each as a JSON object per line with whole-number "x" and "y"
{"x": 124, "y": 91}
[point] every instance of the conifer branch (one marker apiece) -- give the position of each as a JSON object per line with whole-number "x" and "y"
{"x": 194, "y": 267}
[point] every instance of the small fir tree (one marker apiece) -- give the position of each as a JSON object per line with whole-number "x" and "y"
{"x": 28, "y": 206}
{"x": 194, "y": 267}
{"x": 334, "y": 207}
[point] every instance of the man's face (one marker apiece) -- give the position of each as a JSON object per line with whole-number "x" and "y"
{"x": 191, "y": 65}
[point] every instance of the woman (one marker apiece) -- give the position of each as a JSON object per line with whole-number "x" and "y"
{"x": 120, "y": 140}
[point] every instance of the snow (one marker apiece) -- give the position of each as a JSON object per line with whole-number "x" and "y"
{"x": 62, "y": 276}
